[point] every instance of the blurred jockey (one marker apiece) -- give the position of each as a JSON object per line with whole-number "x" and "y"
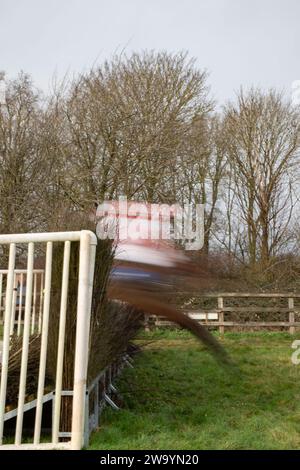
{"x": 144, "y": 249}
{"x": 146, "y": 260}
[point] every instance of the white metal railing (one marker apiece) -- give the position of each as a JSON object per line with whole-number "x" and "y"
{"x": 37, "y": 319}
{"x": 18, "y": 306}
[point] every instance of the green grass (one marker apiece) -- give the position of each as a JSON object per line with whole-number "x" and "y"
{"x": 176, "y": 397}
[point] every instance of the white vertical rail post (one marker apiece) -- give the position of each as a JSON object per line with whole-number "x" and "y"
{"x": 34, "y": 303}
{"x": 6, "y": 334}
{"x": 41, "y": 302}
{"x": 13, "y": 307}
{"x": 92, "y": 255}
{"x": 44, "y": 342}
{"x": 85, "y": 287}
{"x": 20, "y": 304}
{"x": 61, "y": 341}
{"x": 25, "y": 345}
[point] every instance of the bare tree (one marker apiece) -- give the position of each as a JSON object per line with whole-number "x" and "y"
{"x": 23, "y": 170}
{"x": 201, "y": 169}
{"x": 126, "y": 123}
{"x": 262, "y": 132}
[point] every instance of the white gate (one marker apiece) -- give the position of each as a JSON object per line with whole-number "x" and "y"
{"x": 18, "y": 300}
{"x": 35, "y": 319}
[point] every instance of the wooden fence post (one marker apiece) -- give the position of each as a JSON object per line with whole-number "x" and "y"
{"x": 291, "y": 314}
{"x": 221, "y": 314}
{"x": 146, "y": 322}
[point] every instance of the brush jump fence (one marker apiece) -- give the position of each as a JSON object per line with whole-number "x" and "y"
{"x": 239, "y": 311}
{"x": 31, "y": 318}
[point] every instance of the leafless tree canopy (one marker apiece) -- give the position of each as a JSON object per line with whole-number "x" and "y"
{"x": 145, "y": 126}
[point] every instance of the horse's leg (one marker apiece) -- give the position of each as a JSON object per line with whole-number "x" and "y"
{"x": 151, "y": 303}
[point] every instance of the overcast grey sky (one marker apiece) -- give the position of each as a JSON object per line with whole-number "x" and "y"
{"x": 240, "y": 42}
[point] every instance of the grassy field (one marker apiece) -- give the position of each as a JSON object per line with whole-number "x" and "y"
{"x": 176, "y": 397}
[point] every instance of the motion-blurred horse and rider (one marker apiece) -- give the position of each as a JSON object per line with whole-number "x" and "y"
{"x": 146, "y": 265}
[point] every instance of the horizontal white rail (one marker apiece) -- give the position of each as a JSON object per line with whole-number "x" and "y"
{"x": 45, "y": 237}
{"x": 21, "y": 271}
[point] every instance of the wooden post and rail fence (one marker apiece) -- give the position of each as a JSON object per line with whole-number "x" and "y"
{"x": 217, "y": 316}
